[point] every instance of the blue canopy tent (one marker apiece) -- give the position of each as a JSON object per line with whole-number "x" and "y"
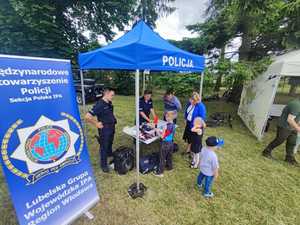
{"x": 140, "y": 49}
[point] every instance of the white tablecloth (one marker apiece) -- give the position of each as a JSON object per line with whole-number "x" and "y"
{"x": 131, "y": 131}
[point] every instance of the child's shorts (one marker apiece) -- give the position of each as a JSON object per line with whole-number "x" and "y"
{"x": 196, "y": 142}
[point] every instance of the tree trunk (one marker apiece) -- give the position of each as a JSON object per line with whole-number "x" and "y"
{"x": 244, "y": 51}
{"x": 244, "y": 54}
{"x": 246, "y": 27}
{"x": 220, "y": 75}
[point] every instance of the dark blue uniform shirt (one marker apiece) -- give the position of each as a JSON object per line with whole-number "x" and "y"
{"x": 104, "y": 112}
{"x": 146, "y": 108}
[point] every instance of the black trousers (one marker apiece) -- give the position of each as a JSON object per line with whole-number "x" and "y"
{"x": 106, "y": 141}
{"x": 165, "y": 156}
{"x": 283, "y": 135}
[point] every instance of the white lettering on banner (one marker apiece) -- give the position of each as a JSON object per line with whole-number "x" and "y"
{"x": 38, "y": 82}
{"x": 27, "y": 72}
{"x": 46, "y": 195}
{"x": 177, "y": 61}
{"x": 77, "y": 178}
{"x": 36, "y": 90}
{"x": 45, "y": 216}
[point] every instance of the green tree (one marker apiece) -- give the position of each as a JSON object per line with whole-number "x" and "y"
{"x": 291, "y": 13}
{"x": 54, "y": 28}
{"x": 150, "y": 10}
{"x": 264, "y": 25}
{"x": 183, "y": 84}
{"x": 216, "y": 32}
{"x": 27, "y": 28}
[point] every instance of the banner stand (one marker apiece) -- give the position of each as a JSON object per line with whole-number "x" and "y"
{"x": 43, "y": 151}
{"x": 89, "y": 215}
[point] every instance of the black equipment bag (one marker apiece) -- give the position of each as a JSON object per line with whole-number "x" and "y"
{"x": 123, "y": 160}
{"x": 149, "y": 163}
{"x": 219, "y": 119}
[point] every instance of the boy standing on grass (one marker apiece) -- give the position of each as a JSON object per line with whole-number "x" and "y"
{"x": 209, "y": 165}
{"x": 167, "y": 145}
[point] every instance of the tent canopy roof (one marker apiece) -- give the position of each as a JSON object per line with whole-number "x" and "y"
{"x": 141, "y": 48}
{"x": 286, "y": 65}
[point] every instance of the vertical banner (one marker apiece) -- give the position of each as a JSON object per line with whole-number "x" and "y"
{"x": 43, "y": 151}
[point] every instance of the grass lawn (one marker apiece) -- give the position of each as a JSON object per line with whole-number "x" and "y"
{"x": 250, "y": 190}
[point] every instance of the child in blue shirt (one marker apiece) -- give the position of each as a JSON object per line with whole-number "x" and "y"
{"x": 209, "y": 165}
{"x": 167, "y": 145}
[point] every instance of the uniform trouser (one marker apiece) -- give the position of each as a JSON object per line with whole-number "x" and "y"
{"x": 283, "y": 135}
{"x": 165, "y": 156}
{"x": 106, "y": 140}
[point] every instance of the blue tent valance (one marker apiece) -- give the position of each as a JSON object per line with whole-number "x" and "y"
{"x": 141, "y": 48}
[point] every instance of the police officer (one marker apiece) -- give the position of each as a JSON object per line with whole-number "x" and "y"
{"x": 146, "y": 107}
{"x": 287, "y": 130}
{"x": 102, "y": 117}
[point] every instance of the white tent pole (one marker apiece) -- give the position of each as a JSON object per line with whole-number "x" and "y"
{"x": 144, "y": 81}
{"x": 83, "y": 100}
{"x": 137, "y": 124}
{"x": 201, "y": 84}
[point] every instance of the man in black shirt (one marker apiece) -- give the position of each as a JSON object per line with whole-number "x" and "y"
{"x": 102, "y": 117}
{"x": 146, "y": 107}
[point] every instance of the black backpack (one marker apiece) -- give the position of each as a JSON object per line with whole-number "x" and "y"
{"x": 149, "y": 163}
{"x": 219, "y": 119}
{"x": 123, "y": 160}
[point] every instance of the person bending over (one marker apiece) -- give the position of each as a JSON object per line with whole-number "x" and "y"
{"x": 171, "y": 103}
{"x": 146, "y": 107}
{"x": 287, "y": 129}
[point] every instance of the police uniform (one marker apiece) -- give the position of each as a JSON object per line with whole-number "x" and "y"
{"x": 145, "y": 107}
{"x": 285, "y": 132}
{"x": 104, "y": 112}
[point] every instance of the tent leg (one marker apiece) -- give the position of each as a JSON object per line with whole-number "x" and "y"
{"x": 137, "y": 189}
{"x": 201, "y": 84}
{"x": 144, "y": 81}
{"x": 83, "y": 100}
{"x": 137, "y": 124}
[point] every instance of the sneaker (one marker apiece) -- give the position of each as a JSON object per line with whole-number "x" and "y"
{"x": 158, "y": 174}
{"x": 208, "y": 195}
{"x": 267, "y": 154}
{"x": 292, "y": 161}
{"x": 200, "y": 186}
{"x": 192, "y": 165}
{"x": 111, "y": 166}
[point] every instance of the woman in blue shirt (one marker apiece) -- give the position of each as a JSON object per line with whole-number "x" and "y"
{"x": 195, "y": 108}
{"x": 171, "y": 104}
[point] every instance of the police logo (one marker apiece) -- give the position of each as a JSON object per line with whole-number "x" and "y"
{"x": 47, "y": 144}
{"x": 46, "y": 147}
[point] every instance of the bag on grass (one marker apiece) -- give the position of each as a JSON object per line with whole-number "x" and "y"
{"x": 219, "y": 119}
{"x": 123, "y": 160}
{"x": 149, "y": 163}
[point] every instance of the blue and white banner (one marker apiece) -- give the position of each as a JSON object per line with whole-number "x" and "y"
{"x": 43, "y": 151}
